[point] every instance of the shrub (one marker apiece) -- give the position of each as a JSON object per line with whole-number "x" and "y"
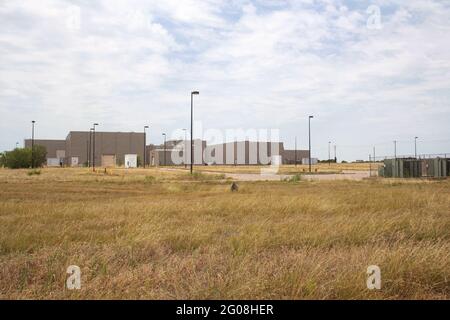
{"x": 21, "y": 157}
{"x": 34, "y": 172}
{"x": 295, "y": 178}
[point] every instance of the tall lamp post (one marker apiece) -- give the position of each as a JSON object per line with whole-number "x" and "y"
{"x": 415, "y": 146}
{"x": 335, "y": 157}
{"x": 93, "y": 147}
{"x": 309, "y": 130}
{"x": 192, "y": 128}
{"x": 184, "y": 149}
{"x": 295, "y": 150}
{"x": 329, "y": 153}
{"x": 164, "y": 148}
{"x": 90, "y": 148}
{"x": 32, "y": 143}
{"x": 145, "y": 138}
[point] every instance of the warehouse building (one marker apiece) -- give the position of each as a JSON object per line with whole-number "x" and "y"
{"x": 56, "y": 150}
{"x": 127, "y": 149}
{"x": 177, "y": 152}
{"x": 78, "y": 147}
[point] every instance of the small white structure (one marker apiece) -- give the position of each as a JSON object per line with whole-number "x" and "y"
{"x": 52, "y": 162}
{"x": 131, "y": 161}
{"x": 74, "y": 162}
{"x": 313, "y": 161}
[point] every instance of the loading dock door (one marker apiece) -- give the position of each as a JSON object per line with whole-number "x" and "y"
{"x": 108, "y": 160}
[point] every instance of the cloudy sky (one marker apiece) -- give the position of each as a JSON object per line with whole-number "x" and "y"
{"x": 369, "y": 71}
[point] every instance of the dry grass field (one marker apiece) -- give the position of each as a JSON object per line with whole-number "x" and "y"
{"x": 154, "y": 234}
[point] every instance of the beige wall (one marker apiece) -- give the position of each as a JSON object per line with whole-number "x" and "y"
{"x": 106, "y": 143}
{"x": 52, "y": 146}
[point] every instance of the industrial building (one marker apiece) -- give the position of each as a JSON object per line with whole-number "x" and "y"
{"x": 177, "y": 152}
{"x": 127, "y": 149}
{"x": 110, "y": 148}
{"x": 415, "y": 168}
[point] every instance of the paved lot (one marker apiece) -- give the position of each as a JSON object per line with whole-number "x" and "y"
{"x": 345, "y": 175}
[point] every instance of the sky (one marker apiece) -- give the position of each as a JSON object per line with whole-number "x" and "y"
{"x": 370, "y": 72}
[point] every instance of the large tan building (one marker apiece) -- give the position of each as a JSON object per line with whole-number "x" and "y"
{"x": 78, "y": 147}
{"x": 111, "y": 148}
{"x": 232, "y": 153}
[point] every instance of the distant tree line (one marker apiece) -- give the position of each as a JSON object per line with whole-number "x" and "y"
{"x": 23, "y": 157}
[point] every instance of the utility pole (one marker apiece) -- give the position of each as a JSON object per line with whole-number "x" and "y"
{"x": 295, "y": 150}
{"x": 164, "y": 135}
{"x": 90, "y": 148}
{"x": 329, "y": 153}
{"x": 415, "y": 147}
{"x": 335, "y": 158}
{"x": 145, "y": 143}
{"x": 184, "y": 149}
{"x": 32, "y": 143}
{"x": 93, "y": 142}
{"x": 309, "y": 135}
{"x": 192, "y": 127}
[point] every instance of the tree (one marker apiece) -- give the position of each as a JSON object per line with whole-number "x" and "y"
{"x": 2, "y": 160}
{"x": 40, "y": 156}
{"x": 21, "y": 157}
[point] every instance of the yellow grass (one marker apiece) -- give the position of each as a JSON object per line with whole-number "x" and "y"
{"x": 290, "y": 169}
{"x": 154, "y": 234}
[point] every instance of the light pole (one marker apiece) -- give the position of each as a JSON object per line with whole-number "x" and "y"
{"x": 415, "y": 147}
{"x": 32, "y": 143}
{"x": 395, "y": 149}
{"x": 93, "y": 143}
{"x": 145, "y": 156}
{"x": 335, "y": 157}
{"x": 164, "y": 148}
{"x": 295, "y": 150}
{"x": 192, "y": 128}
{"x": 309, "y": 136}
{"x": 90, "y": 148}
{"x": 184, "y": 148}
{"x": 329, "y": 153}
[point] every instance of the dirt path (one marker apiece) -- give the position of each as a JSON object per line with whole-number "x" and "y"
{"x": 345, "y": 175}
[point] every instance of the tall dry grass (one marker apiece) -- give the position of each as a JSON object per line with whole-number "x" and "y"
{"x": 153, "y": 234}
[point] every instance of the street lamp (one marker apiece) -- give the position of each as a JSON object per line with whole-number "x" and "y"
{"x": 164, "y": 148}
{"x": 192, "y": 128}
{"x": 329, "y": 153}
{"x": 295, "y": 150}
{"x": 32, "y": 143}
{"x": 184, "y": 149}
{"x": 90, "y": 148}
{"x": 93, "y": 143}
{"x": 415, "y": 146}
{"x": 309, "y": 130}
{"x": 145, "y": 127}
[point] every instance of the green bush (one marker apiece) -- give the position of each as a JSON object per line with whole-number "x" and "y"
{"x": 21, "y": 157}
{"x": 34, "y": 172}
